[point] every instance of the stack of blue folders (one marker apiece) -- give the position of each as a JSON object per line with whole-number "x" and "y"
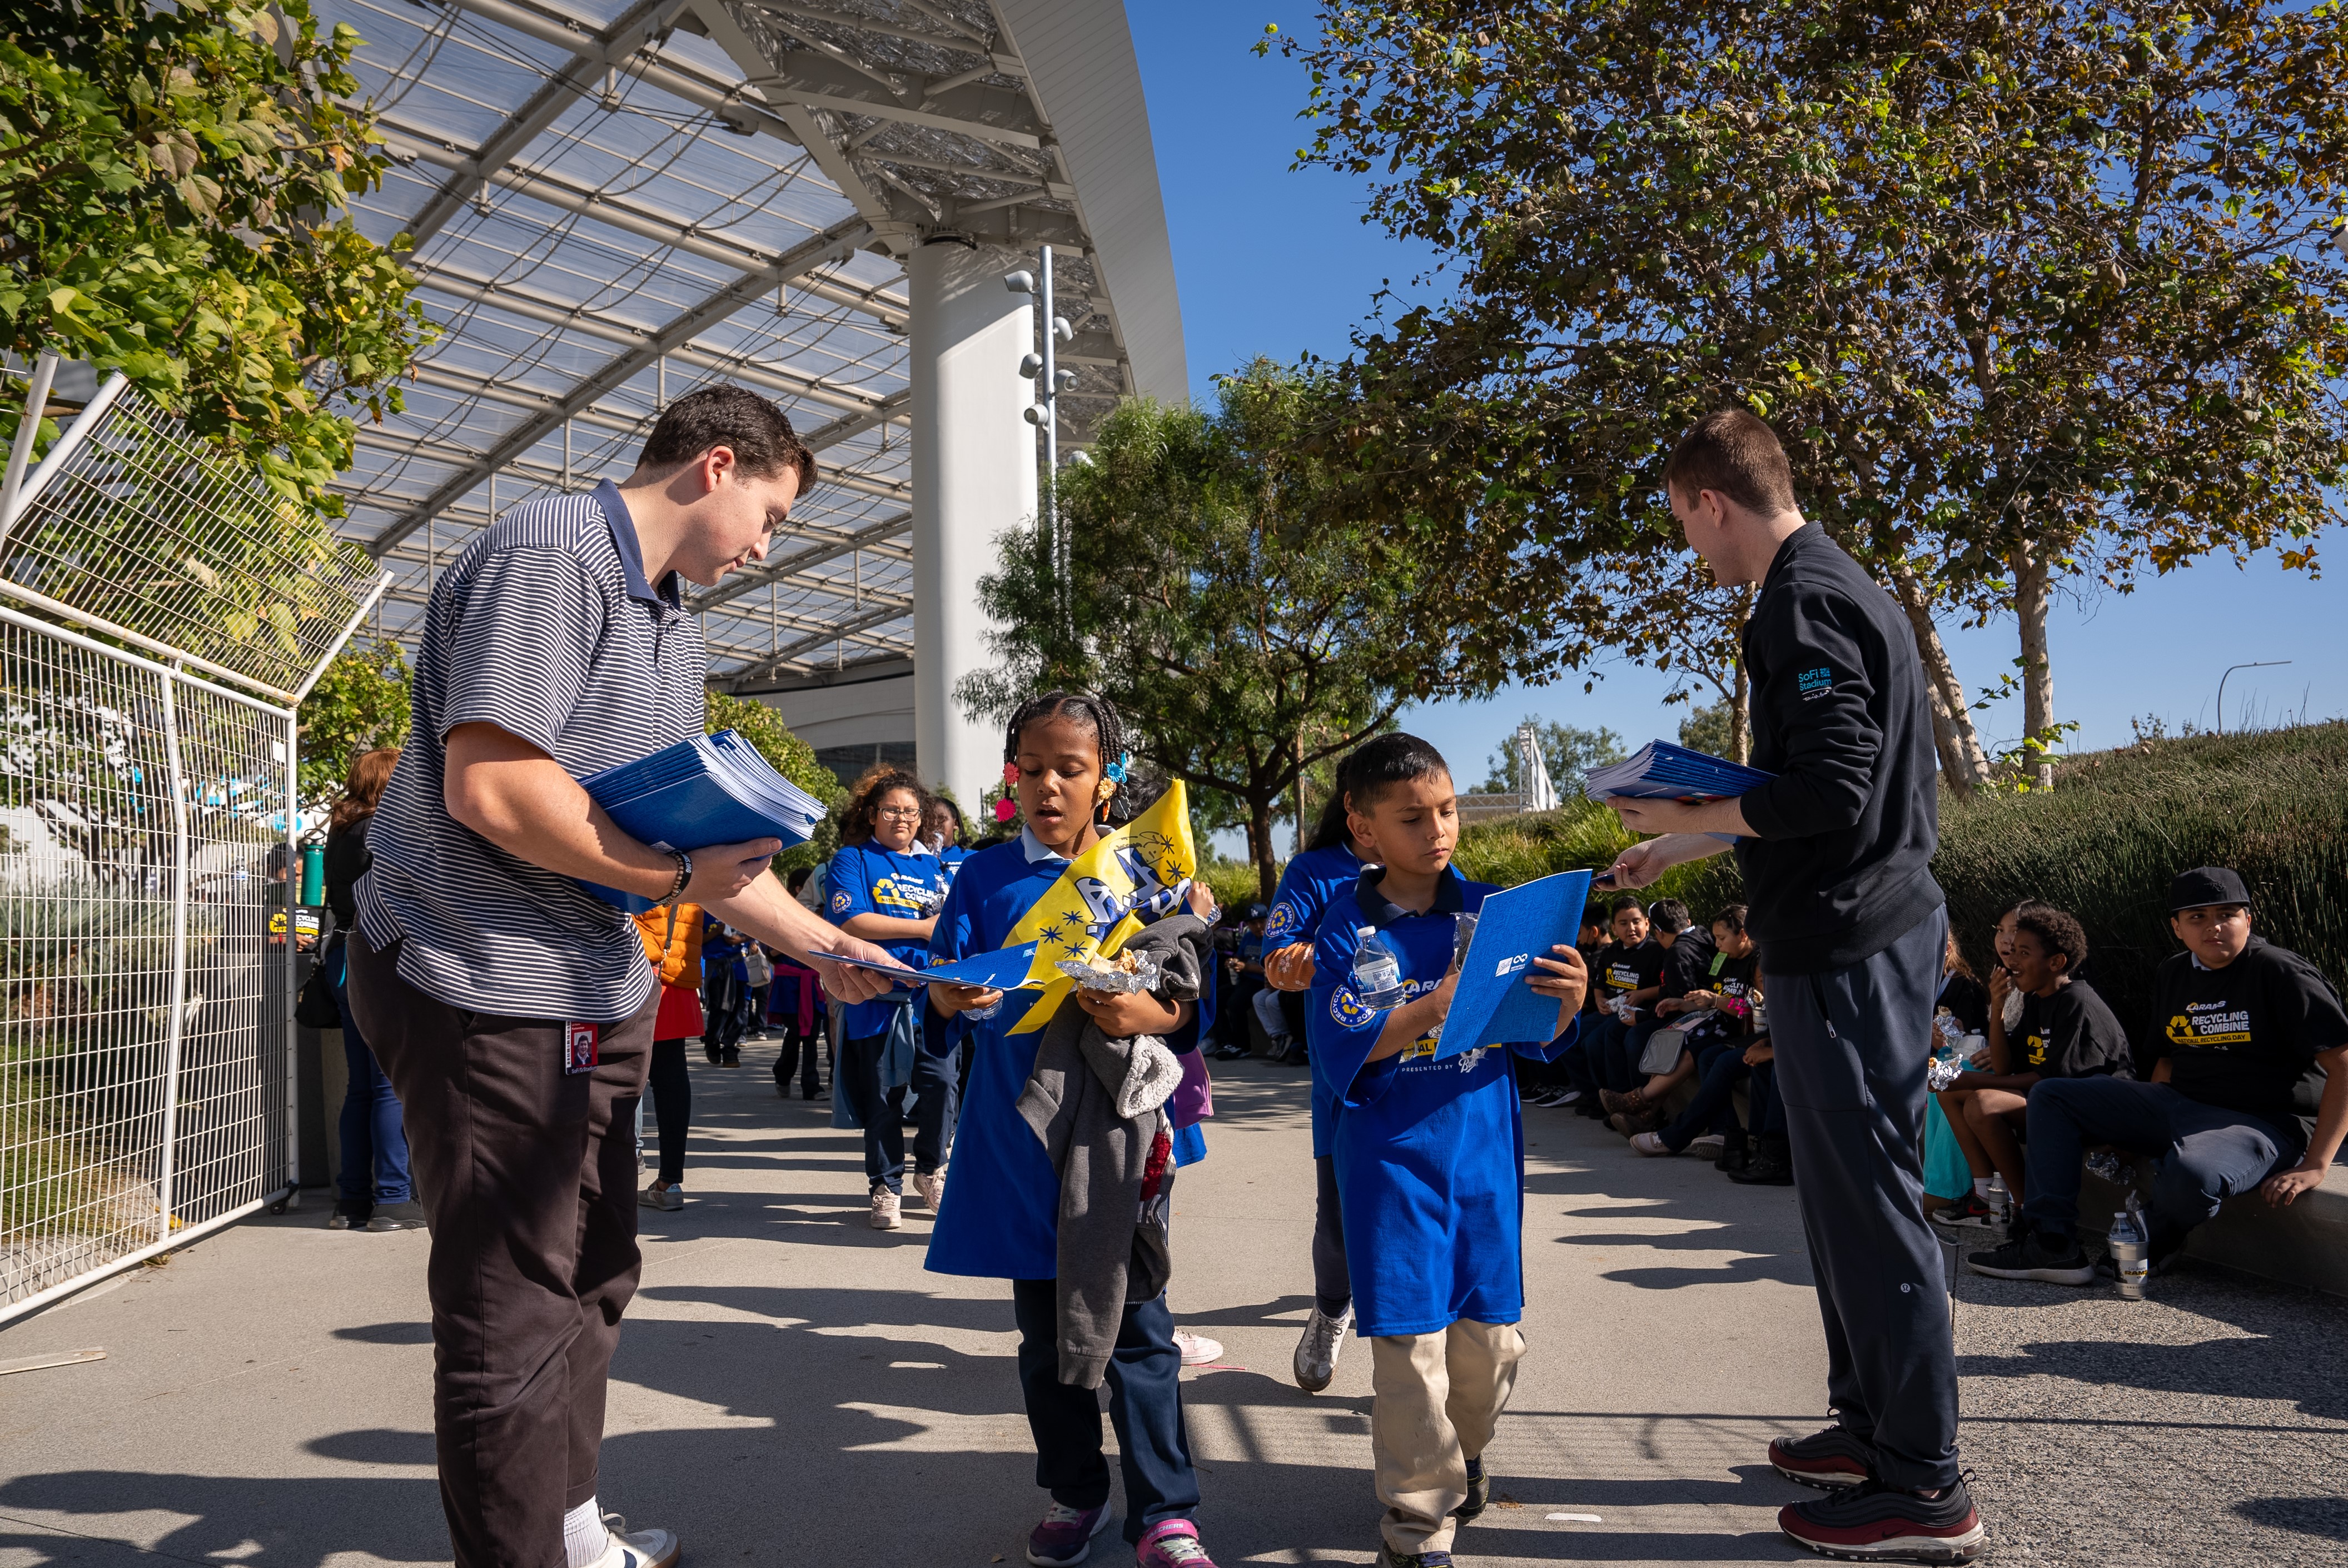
{"x": 711, "y": 789}
{"x": 1661, "y": 771}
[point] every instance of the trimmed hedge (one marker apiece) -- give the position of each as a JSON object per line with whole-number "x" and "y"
{"x": 2104, "y": 844}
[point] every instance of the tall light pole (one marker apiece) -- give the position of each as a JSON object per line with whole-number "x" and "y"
{"x": 2254, "y": 665}
{"x": 1045, "y": 370}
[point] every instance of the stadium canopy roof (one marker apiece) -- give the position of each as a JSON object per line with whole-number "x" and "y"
{"x": 612, "y": 204}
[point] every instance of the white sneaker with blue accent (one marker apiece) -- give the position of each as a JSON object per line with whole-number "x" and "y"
{"x": 644, "y": 1549}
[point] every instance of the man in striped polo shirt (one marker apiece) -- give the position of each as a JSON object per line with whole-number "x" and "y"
{"x": 512, "y": 1009}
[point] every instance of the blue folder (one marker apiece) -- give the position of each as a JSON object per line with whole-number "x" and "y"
{"x": 1661, "y": 771}
{"x": 1492, "y": 1004}
{"x": 1005, "y": 969}
{"x": 710, "y": 789}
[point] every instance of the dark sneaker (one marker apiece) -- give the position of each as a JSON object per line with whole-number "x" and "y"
{"x": 2033, "y": 1256}
{"x": 1390, "y": 1558}
{"x": 1765, "y": 1167}
{"x": 1872, "y": 1522}
{"x": 1968, "y": 1212}
{"x": 1480, "y": 1493}
{"x": 1732, "y": 1158}
{"x": 1831, "y": 1459}
{"x": 348, "y": 1218}
{"x": 1067, "y": 1533}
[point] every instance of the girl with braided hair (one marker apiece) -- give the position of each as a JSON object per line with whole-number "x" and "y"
{"x": 1065, "y": 758}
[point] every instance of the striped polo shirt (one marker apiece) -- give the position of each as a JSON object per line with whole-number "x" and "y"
{"x": 545, "y": 628}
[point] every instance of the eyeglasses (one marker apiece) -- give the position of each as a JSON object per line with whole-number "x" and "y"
{"x": 901, "y": 813}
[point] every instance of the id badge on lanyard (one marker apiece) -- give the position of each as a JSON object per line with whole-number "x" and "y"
{"x": 582, "y": 1047}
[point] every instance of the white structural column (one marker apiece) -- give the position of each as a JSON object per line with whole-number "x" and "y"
{"x": 973, "y": 480}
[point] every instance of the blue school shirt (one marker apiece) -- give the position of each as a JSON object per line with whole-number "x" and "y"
{"x": 1000, "y": 1219}
{"x": 1306, "y": 888}
{"x": 866, "y": 879}
{"x": 1430, "y": 1154}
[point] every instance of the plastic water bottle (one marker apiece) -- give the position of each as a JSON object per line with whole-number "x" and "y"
{"x": 1377, "y": 973}
{"x": 2130, "y": 1257}
{"x": 2001, "y": 1204}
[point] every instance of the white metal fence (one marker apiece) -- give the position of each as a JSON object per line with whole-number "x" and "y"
{"x": 146, "y": 859}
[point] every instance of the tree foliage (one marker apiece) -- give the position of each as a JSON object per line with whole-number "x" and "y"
{"x": 174, "y": 192}
{"x": 1235, "y": 588}
{"x": 1568, "y": 752}
{"x": 361, "y": 701}
{"x": 2045, "y": 290}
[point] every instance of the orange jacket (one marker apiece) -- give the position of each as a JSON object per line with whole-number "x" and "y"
{"x": 672, "y": 939}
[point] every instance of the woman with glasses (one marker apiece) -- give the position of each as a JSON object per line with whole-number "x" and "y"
{"x": 886, "y": 887}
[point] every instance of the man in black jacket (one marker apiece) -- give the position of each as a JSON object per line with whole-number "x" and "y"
{"x": 1836, "y": 851}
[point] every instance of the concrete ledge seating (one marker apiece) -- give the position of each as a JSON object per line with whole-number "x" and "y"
{"x": 2306, "y": 1243}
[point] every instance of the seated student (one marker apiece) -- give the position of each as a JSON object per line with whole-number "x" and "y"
{"x": 1769, "y": 1156}
{"x": 1686, "y": 952}
{"x": 2249, "y": 1088}
{"x": 1717, "y": 1012}
{"x": 1551, "y": 1083}
{"x": 1428, "y": 1153}
{"x": 1243, "y": 969}
{"x": 1628, "y": 976}
{"x": 2065, "y": 1031}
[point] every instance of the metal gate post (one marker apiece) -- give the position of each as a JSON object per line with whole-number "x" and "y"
{"x": 293, "y": 962}
{"x": 175, "y": 1028}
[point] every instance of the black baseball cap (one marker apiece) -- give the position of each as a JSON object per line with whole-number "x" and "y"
{"x": 2205, "y": 885}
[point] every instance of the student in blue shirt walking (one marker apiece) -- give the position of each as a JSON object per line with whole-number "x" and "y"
{"x": 1064, "y": 754}
{"x": 1430, "y": 1154}
{"x": 1328, "y": 867}
{"x": 885, "y": 887}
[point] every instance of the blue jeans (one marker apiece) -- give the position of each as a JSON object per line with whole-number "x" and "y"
{"x": 1719, "y": 1069}
{"x": 858, "y": 1074}
{"x": 2207, "y": 1152}
{"x": 1145, "y": 1405}
{"x": 374, "y": 1136}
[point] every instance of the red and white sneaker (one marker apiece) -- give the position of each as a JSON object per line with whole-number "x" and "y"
{"x": 1834, "y": 1457}
{"x": 1872, "y": 1522}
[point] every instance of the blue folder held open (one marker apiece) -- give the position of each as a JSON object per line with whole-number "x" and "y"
{"x": 1493, "y": 1005}
{"x": 710, "y": 789}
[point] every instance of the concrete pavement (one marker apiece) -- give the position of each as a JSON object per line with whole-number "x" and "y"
{"x": 792, "y": 1387}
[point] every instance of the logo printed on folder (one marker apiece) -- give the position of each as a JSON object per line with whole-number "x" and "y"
{"x": 1512, "y": 964}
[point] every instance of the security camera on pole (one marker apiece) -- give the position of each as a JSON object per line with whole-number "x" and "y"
{"x": 1045, "y": 413}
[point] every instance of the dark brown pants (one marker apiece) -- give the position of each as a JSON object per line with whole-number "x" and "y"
{"x": 528, "y": 1175}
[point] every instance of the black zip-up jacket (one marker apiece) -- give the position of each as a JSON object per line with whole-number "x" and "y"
{"x": 1840, "y": 865}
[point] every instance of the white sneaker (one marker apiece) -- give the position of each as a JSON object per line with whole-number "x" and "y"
{"x": 1196, "y": 1349}
{"x": 1318, "y": 1347}
{"x": 887, "y": 1210}
{"x": 644, "y": 1549}
{"x": 1650, "y": 1143}
{"x": 931, "y": 1186}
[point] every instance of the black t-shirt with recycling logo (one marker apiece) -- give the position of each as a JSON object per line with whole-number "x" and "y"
{"x": 1625, "y": 967}
{"x": 2246, "y": 1036}
{"x": 2071, "y": 1033}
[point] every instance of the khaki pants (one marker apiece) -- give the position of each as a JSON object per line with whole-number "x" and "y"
{"x": 1437, "y": 1398}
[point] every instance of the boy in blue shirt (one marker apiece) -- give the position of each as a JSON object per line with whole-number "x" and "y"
{"x": 1430, "y": 1153}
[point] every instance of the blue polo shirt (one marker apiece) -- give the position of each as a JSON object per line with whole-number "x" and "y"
{"x": 1311, "y": 880}
{"x": 545, "y": 627}
{"x": 868, "y": 879}
{"x": 1430, "y": 1154}
{"x": 1000, "y": 1219}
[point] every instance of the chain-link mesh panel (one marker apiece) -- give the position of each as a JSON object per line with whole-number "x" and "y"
{"x": 143, "y": 527}
{"x": 143, "y": 1028}
{"x": 229, "y": 1147}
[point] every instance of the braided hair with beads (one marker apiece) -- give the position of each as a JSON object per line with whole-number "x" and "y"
{"x": 1095, "y": 713}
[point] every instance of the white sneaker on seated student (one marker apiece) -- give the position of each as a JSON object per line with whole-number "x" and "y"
{"x": 2065, "y": 1031}
{"x": 2249, "y": 1088}
{"x": 1427, "y": 1152}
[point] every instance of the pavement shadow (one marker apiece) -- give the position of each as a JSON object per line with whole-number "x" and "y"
{"x": 286, "y": 1522}
{"x": 2326, "y": 1518}
{"x": 2230, "y": 1368}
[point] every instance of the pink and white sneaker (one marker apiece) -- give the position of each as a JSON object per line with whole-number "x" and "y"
{"x": 1173, "y": 1544}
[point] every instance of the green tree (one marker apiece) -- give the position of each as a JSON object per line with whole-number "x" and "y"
{"x": 1706, "y": 729}
{"x": 1568, "y": 752}
{"x": 361, "y": 701}
{"x": 175, "y": 184}
{"x": 2030, "y": 291}
{"x": 1234, "y": 589}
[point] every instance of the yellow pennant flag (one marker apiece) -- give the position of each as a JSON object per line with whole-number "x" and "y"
{"x": 1133, "y": 875}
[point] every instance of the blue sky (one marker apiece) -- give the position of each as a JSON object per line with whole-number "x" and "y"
{"x": 1276, "y": 261}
